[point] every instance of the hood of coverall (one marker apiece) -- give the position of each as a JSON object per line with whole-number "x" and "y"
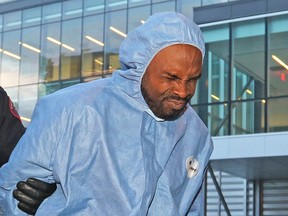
{"x": 143, "y": 43}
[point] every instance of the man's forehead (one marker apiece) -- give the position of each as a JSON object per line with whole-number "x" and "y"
{"x": 174, "y": 49}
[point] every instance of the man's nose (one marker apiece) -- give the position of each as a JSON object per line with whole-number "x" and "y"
{"x": 183, "y": 90}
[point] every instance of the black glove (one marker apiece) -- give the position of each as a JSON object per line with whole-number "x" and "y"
{"x": 31, "y": 194}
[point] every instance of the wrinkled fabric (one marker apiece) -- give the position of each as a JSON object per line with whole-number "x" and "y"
{"x": 105, "y": 149}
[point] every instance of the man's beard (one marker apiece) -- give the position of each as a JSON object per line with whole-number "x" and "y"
{"x": 158, "y": 106}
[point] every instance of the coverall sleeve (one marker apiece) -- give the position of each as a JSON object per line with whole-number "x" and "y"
{"x": 197, "y": 209}
{"x": 32, "y": 157}
{"x": 11, "y": 128}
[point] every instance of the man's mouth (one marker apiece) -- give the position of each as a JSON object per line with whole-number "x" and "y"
{"x": 176, "y": 104}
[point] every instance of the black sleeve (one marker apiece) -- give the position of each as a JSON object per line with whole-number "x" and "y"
{"x": 11, "y": 128}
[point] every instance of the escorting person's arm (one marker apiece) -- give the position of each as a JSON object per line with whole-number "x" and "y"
{"x": 11, "y": 128}
{"x": 32, "y": 192}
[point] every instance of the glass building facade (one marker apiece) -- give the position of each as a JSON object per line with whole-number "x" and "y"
{"x": 245, "y": 89}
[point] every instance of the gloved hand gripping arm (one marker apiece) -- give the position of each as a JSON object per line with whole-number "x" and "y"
{"x": 32, "y": 193}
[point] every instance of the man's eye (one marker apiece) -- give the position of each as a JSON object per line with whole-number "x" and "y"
{"x": 170, "y": 78}
{"x": 193, "y": 79}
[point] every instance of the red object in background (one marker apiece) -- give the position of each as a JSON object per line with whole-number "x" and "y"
{"x": 283, "y": 77}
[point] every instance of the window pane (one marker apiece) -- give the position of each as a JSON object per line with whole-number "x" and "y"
{"x": 215, "y": 118}
{"x": 48, "y": 88}
{"x": 89, "y": 79}
{"x": 12, "y": 21}
{"x": 248, "y": 75}
{"x": 213, "y": 85}
{"x": 68, "y": 83}
{"x": 10, "y": 59}
{"x": 133, "y": 3}
{"x": 71, "y": 49}
{"x": 278, "y": 56}
{"x": 30, "y": 52}
{"x": 247, "y": 117}
{"x": 186, "y": 7}
{"x": 52, "y": 13}
{"x": 195, "y": 3}
{"x": 1, "y": 23}
{"x": 115, "y": 32}
{"x": 93, "y": 7}
{"x": 1, "y": 50}
{"x": 155, "y": 1}
{"x": 115, "y": 4}
{"x": 50, "y": 52}
{"x": 163, "y": 7}
{"x": 209, "y": 2}
{"x": 137, "y": 16}
{"x": 32, "y": 17}
{"x": 278, "y": 114}
{"x": 72, "y": 9}
{"x": 27, "y": 101}
{"x": 93, "y": 44}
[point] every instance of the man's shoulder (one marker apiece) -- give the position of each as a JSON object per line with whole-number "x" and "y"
{"x": 75, "y": 92}
{"x": 75, "y": 97}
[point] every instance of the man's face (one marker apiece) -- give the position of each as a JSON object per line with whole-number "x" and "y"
{"x": 170, "y": 80}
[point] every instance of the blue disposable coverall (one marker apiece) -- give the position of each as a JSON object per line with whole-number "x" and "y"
{"x": 105, "y": 149}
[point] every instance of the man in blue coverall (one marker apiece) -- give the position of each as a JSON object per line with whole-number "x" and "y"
{"x": 125, "y": 145}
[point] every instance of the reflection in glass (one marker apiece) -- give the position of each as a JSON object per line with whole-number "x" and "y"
{"x": 27, "y": 100}
{"x": 71, "y": 49}
{"x": 93, "y": 45}
{"x": 1, "y": 23}
{"x": 52, "y": 12}
{"x": 186, "y": 7}
{"x": 115, "y": 31}
{"x": 72, "y": 9}
{"x": 89, "y": 79}
{"x": 247, "y": 117}
{"x": 217, "y": 77}
{"x": 12, "y": 20}
{"x": 1, "y": 50}
{"x": 93, "y": 7}
{"x": 248, "y": 75}
{"x": 30, "y": 53}
{"x": 50, "y": 53}
{"x": 48, "y": 88}
{"x": 163, "y": 7}
{"x": 116, "y": 4}
{"x": 32, "y": 17}
{"x": 10, "y": 58}
{"x": 215, "y": 117}
{"x": 137, "y": 16}
{"x": 278, "y": 56}
{"x": 210, "y": 2}
{"x": 278, "y": 114}
{"x": 68, "y": 83}
{"x": 213, "y": 84}
{"x": 133, "y": 3}
{"x": 155, "y": 1}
